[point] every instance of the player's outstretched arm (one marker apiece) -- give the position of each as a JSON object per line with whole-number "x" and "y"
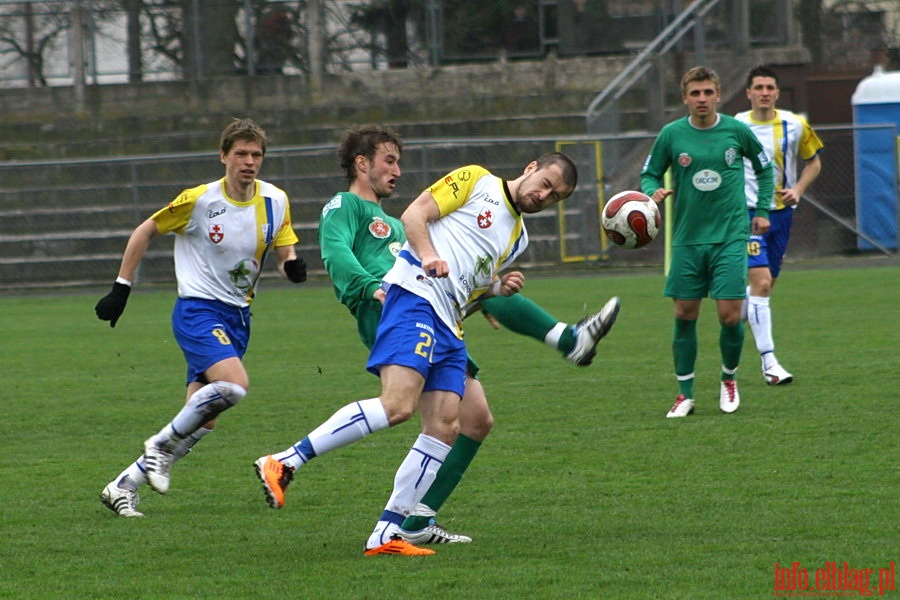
{"x": 111, "y": 306}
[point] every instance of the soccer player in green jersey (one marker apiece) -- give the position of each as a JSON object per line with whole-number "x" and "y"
{"x": 359, "y": 242}
{"x": 705, "y": 151}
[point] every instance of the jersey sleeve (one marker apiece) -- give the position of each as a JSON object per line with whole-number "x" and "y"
{"x": 451, "y": 191}
{"x": 810, "y": 143}
{"x": 176, "y": 216}
{"x": 286, "y": 236}
{"x": 338, "y": 226}
{"x": 762, "y": 168}
{"x": 656, "y": 164}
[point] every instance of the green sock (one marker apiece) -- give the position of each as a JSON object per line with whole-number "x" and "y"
{"x": 521, "y": 315}
{"x": 446, "y": 480}
{"x": 731, "y": 342}
{"x": 684, "y": 352}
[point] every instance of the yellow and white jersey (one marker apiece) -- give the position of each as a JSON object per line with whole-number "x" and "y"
{"x": 221, "y": 244}
{"x": 786, "y": 138}
{"x": 479, "y": 233}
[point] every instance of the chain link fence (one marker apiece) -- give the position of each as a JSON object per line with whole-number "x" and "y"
{"x": 65, "y": 223}
{"x": 58, "y": 42}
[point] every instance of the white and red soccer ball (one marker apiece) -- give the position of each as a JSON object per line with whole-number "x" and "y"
{"x": 630, "y": 219}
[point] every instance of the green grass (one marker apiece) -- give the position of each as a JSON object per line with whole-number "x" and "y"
{"x": 583, "y": 490}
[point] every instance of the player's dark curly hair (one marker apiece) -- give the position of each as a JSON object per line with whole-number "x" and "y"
{"x": 242, "y": 129}
{"x": 364, "y": 140}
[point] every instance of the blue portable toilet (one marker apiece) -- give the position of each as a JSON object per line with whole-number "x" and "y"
{"x": 876, "y": 101}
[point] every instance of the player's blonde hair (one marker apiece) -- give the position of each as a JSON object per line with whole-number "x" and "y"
{"x": 700, "y": 74}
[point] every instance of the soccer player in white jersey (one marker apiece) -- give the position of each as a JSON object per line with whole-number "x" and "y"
{"x": 460, "y": 234}
{"x": 224, "y": 231}
{"x": 359, "y": 243}
{"x": 788, "y": 139}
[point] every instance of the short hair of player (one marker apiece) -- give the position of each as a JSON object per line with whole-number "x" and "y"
{"x": 568, "y": 168}
{"x": 244, "y": 130}
{"x": 760, "y": 71}
{"x": 700, "y": 74}
{"x": 364, "y": 140}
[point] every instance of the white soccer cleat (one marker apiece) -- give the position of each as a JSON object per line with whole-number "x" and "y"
{"x": 729, "y": 398}
{"x": 433, "y": 534}
{"x": 776, "y": 375}
{"x": 682, "y": 407}
{"x": 120, "y": 501}
{"x": 157, "y": 461}
{"x": 590, "y": 330}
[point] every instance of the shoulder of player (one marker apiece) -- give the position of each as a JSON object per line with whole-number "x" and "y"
{"x": 189, "y": 196}
{"x": 469, "y": 173}
{"x": 270, "y": 190}
{"x": 345, "y": 202}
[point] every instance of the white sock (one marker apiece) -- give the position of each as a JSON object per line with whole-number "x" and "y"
{"x": 759, "y": 315}
{"x": 382, "y": 534}
{"x": 185, "y": 445}
{"x": 552, "y": 337}
{"x": 413, "y": 478}
{"x": 204, "y": 404}
{"x": 349, "y": 424}
{"x": 416, "y": 473}
{"x": 134, "y": 475}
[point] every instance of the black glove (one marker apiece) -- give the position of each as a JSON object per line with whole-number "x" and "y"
{"x": 295, "y": 270}
{"x": 111, "y": 306}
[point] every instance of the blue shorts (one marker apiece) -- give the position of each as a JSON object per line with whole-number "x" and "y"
{"x": 768, "y": 250}
{"x": 209, "y": 331}
{"x": 410, "y": 334}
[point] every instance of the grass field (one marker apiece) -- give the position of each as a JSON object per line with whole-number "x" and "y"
{"x": 583, "y": 490}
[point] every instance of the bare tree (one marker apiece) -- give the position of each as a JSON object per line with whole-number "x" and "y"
{"x": 133, "y": 40}
{"x": 27, "y": 34}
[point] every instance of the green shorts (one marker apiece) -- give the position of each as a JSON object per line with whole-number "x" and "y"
{"x": 715, "y": 270}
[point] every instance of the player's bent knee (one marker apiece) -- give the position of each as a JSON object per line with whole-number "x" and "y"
{"x": 398, "y": 411}
{"x": 476, "y": 427}
{"x": 217, "y": 397}
{"x": 232, "y": 393}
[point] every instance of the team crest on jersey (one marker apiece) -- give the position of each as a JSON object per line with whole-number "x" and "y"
{"x": 483, "y": 266}
{"x": 244, "y": 273}
{"x": 684, "y": 159}
{"x": 730, "y": 156}
{"x": 485, "y": 218}
{"x": 379, "y": 229}
{"x": 216, "y": 232}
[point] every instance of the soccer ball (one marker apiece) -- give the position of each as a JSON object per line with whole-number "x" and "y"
{"x": 630, "y": 219}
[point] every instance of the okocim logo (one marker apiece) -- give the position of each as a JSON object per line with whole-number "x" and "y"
{"x": 834, "y": 580}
